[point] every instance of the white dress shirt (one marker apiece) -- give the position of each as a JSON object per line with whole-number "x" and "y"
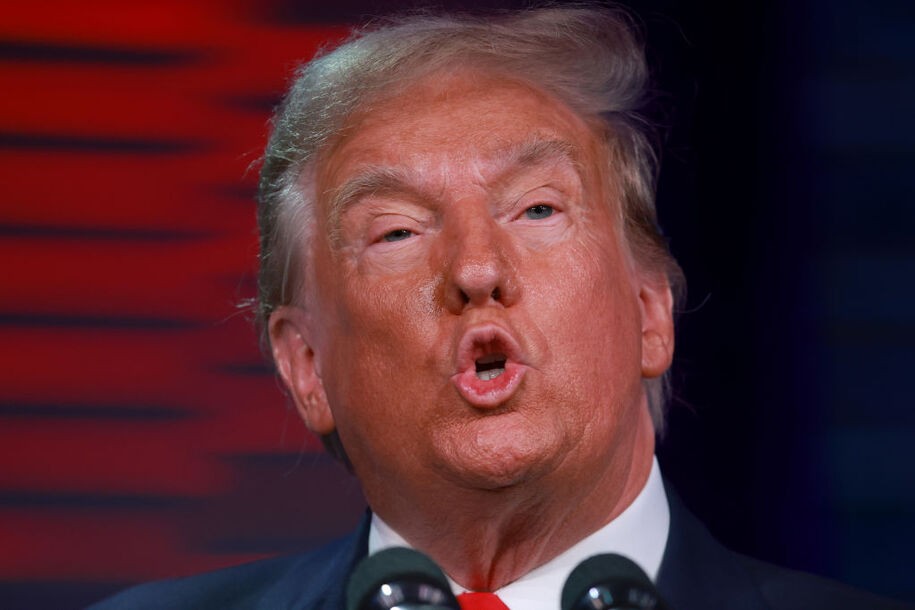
{"x": 639, "y": 533}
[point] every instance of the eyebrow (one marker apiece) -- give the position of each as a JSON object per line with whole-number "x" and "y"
{"x": 376, "y": 180}
{"x": 373, "y": 180}
{"x": 538, "y": 152}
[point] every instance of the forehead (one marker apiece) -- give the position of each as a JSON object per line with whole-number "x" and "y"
{"x": 465, "y": 125}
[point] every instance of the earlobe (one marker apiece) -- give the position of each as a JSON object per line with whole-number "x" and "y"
{"x": 295, "y": 360}
{"x": 656, "y": 302}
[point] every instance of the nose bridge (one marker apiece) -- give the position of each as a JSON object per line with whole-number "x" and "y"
{"x": 480, "y": 262}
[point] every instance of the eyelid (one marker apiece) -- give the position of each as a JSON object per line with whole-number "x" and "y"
{"x": 386, "y": 223}
{"x": 544, "y": 194}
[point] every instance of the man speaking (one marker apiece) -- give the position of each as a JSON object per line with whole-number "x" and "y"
{"x": 466, "y": 294}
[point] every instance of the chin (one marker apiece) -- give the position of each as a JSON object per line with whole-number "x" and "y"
{"x": 496, "y": 455}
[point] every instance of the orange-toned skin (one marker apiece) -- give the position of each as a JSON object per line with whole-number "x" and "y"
{"x": 470, "y": 241}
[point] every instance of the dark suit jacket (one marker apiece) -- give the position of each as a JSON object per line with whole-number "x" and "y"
{"x": 697, "y": 573}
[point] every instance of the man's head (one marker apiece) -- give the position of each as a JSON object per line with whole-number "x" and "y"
{"x": 587, "y": 60}
{"x": 462, "y": 279}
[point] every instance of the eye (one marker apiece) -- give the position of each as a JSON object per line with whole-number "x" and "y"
{"x": 539, "y": 211}
{"x": 397, "y": 235}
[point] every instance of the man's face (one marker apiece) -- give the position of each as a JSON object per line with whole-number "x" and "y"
{"x": 473, "y": 316}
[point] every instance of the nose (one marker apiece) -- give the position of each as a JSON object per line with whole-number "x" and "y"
{"x": 480, "y": 267}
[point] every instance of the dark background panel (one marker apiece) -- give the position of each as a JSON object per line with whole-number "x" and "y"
{"x": 141, "y": 435}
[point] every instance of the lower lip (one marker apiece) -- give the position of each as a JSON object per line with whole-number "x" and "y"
{"x": 487, "y": 394}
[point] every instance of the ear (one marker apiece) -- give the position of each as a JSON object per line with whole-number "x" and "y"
{"x": 656, "y": 303}
{"x": 295, "y": 359}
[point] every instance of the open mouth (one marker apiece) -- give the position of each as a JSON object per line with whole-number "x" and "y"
{"x": 490, "y": 366}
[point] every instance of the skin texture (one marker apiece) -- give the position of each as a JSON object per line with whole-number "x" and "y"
{"x": 466, "y": 216}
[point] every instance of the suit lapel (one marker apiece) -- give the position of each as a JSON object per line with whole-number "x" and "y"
{"x": 318, "y": 582}
{"x": 697, "y": 572}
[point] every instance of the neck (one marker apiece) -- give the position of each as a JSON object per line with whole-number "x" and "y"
{"x": 486, "y": 539}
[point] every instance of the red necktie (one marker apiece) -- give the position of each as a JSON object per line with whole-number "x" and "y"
{"x": 480, "y": 601}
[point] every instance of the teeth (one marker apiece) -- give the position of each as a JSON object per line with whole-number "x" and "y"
{"x": 490, "y": 366}
{"x": 489, "y": 374}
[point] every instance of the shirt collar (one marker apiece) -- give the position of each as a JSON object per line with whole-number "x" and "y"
{"x": 639, "y": 533}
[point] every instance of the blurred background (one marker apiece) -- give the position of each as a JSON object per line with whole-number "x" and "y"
{"x": 142, "y": 435}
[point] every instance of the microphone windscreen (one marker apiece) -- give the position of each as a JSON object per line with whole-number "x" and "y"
{"x": 609, "y": 573}
{"x": 392, "y": 571}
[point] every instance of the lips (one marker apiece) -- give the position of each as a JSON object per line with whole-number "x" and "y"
{"x": 489, "y": 366}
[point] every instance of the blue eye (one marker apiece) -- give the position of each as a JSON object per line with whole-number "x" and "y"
{"x": 539, "y": 212}
{"x": 397, "y": 235}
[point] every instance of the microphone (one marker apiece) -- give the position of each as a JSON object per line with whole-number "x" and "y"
{"x": 399, "y": 578}
{"x": 610, "y": 581}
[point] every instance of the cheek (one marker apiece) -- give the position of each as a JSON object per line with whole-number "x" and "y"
{"x": 586, "y": 284}
{"x": 590, "y": 316}
{"x": 374, "y": 310}
{"x": 603, "y": 327}
{"x": 383, "y": 353}
{"x": 384, "y": 328}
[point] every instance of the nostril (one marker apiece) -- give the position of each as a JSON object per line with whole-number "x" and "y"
{"x": 464, "y": 298}
{"x": 496, "y": 294}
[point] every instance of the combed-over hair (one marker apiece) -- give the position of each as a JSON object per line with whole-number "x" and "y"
{"x": 589, "y": 58}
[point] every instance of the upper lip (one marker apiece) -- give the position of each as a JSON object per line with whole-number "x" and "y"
{"x": 484, "y": 340}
